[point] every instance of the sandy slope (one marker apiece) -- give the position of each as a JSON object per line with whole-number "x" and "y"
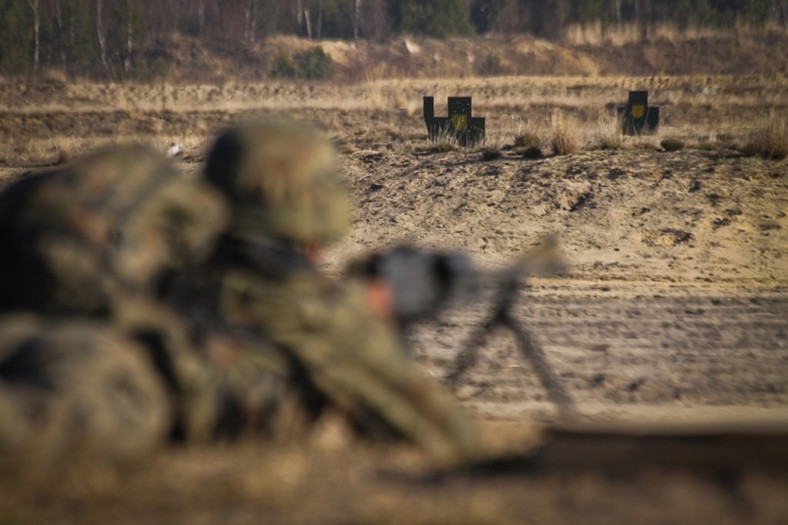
{"x": 634, "y": 215}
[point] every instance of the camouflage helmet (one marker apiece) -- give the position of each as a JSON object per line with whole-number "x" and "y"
{"x": 281, "y": 177}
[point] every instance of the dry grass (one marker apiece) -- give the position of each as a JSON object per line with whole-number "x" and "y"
{"x": 606, "y": 134}
{"x": 770, "y": 140}
{"x": 564, "y": 139}
{"x": 57, "y": 76}
{"x": 59, "y": 150}
{"x": 39, "y": 124}
{"x": 596, "y": 34}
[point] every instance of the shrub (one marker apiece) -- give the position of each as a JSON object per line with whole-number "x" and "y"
{"x": 444, "y": 147}
{"x": 434, "y": 18}
{"x": 610, "y": 143}
{"x": 531, "y": 153}
{"x": 527, "y": 140}
{"x": 491, "y": 65}
{"x": 491, "y": 154}
{"x": 671, "y": 144}
{"x": 312, "y": 64}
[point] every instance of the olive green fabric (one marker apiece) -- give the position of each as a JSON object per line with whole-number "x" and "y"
{"x": 192, "y": 382}
{"x": 282, "y": 179}
{"x": 120, "y": 217}
{"x": 92, "y": 243}
{"x": 261, "y": 393}
{"x": 75, "y": 389}
{"x": 353, "y": 358}
{"x": 286, "y": 194}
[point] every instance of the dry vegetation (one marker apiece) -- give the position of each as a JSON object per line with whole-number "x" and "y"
{"x": 723, "y": 113}
{"x": 676, "y": 302}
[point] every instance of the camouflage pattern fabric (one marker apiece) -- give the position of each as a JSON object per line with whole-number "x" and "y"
{"x": 353, "y": 358}
{"x": 95, "y": 240}
{"x": 281, "y": 177}
{"x": 192, "y": 383}
{"x": 121, "y": 217}
{"x": 286, "y": 193}
{"x": 75, "y": 389}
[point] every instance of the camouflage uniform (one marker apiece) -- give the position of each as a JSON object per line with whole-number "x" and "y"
{"x": 115, "y": 222}
{"x": 75, "y": 389}
{"x": 286, "y": 195}
{"x": 87, "y": 246}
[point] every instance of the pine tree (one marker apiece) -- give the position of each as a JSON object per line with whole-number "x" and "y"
{"x": 435, "y": 18}
{"x": 16, "y": 37}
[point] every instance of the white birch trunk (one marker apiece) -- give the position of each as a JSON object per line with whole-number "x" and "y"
{"x": 100, "y": 33}
{"x": 36, "y": 34}
{"x": 356, "y": 19}
{"x": 129, "y": 44}
{"x": 320, "y": 20}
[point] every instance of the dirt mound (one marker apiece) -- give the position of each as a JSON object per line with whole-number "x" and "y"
{"x": 647, "y": 215}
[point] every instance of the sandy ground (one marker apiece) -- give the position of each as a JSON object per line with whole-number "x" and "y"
{"x": 673, "y": 307}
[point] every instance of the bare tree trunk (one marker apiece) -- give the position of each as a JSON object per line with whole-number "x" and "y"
{"x": 100, "y": 32}
{"x": 320, "y": 20}
{"x": 250, "y": 20}
{"x": 617, "y": 9}
{"x": 253, "y": 25}
{"x": 642, "y": 13}
{"x": 129, "y": 43}
{"x": 59, "y": 20}
{"x": 300, "y": 13}
{"x": 308, "y": 24}
{"x": 36, "y": 34}
{"x": 781, "y": 11}
{"x": 200, "y": 15}
{"x": 356, "y": 18}
{"x": 247, "y": 20}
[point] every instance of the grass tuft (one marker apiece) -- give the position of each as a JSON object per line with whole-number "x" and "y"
{"x": 564, "y": 140}
{"x": 770, "y": 141}
{"x": 607, "y": 133}
{"x": 528, "y": 139}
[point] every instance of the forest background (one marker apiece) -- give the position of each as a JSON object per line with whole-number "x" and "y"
{"x": 184, "y": 40}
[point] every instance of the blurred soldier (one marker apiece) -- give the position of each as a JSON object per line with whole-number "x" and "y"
{"x": 287, "y": 202}
{"x": 75, "y": 389}
{"x": 95, "y": 241}
{"x": 115, "y": 222}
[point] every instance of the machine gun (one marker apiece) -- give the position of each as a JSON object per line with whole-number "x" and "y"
{"x": 423, "y": 283}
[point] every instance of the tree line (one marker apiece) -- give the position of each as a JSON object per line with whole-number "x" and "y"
{"x": 124, "y": 38}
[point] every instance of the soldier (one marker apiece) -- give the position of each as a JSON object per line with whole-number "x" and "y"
{"x": 87, "y": 248}
{"x": 287, "y": 202}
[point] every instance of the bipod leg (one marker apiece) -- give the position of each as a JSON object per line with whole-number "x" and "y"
{"x": 532, "y": 353}
{"x": 470, "y": 352}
